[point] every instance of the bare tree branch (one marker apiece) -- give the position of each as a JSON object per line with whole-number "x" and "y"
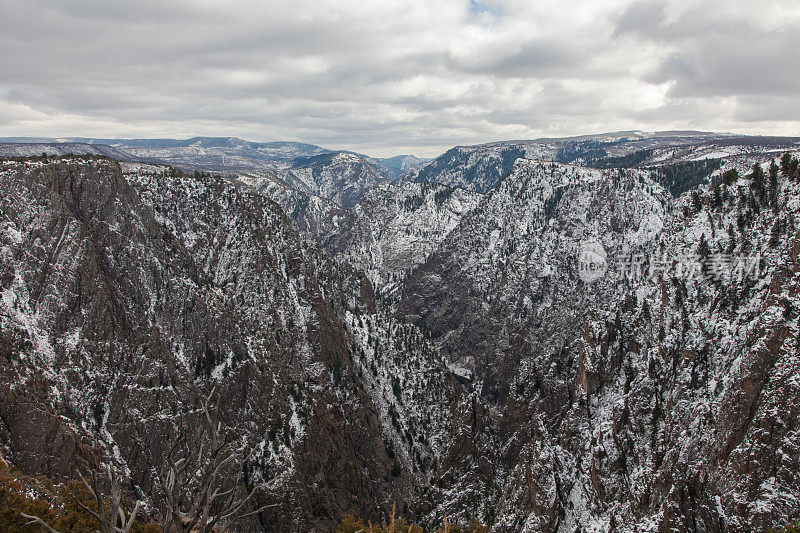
{"x": 107, "y": 522}
{"x": 36, "y": 520}
{"x": 200, "y": 477}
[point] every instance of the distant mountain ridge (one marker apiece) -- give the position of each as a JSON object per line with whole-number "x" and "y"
{"x": 481, "y": 167}
{"x": 347, "y": 175}
{"x": 30, "y": 149}
{"x": 268, "y": 151}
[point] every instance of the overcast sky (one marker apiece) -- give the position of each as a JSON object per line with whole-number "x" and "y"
{"x": 399, "y": 76}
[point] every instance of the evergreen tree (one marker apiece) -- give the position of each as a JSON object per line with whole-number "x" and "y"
{"x": 731, "y": 238}
{"x": 730, "y": 177}
{"x": 775, "y": 234}
{"x": 717, "y": 198}
{"x": 758, "y": 181}
{"x": 703, "y": 250}
{"x": 773, "y": 185}
{"x": 773, "y": 171}
{"x": 789, "y": 166}
{"x": 697, "y": 202}
{"x": 786, "y": 161}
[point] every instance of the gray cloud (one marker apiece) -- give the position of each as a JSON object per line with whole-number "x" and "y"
{"x": 388, "y": 77}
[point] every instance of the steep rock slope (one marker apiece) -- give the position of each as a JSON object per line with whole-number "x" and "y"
{"x": 341, "y": 177}
{"x": 315, "y": 188}
{"x": 658, "y": 396}
{"x": 395, "y": 166}
{"x": 126, "y": 297}
{"x": 625, "y": 355}
{"x": 309, "y": 212}
{"x": 394, "y": 229}
{"x": 510, "y": 265}
{"x": 476, "y": 168}
{"x": 389, "y": 232}
{"x": 683, "y": 414}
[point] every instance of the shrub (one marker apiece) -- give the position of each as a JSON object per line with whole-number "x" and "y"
{"x": 352, "y": 524}
{"x": 55, "y": 504}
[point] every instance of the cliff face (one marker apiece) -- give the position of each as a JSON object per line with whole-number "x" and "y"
{"x": 126, "y": 297}
{"x": 655, "y": 396}
{"x": 576, "y": 349}
{"x": 394, "y": 229}
{"x": 689, "y": 408}
{"x": 342, "y": 178}
{"x": 504, "y": 282}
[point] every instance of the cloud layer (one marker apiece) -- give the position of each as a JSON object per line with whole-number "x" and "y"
{"x": 390, "y": 77}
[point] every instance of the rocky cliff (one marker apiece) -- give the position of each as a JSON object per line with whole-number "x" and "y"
{"x": 127, "y": 295}
{"x": 607, "y": 345}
